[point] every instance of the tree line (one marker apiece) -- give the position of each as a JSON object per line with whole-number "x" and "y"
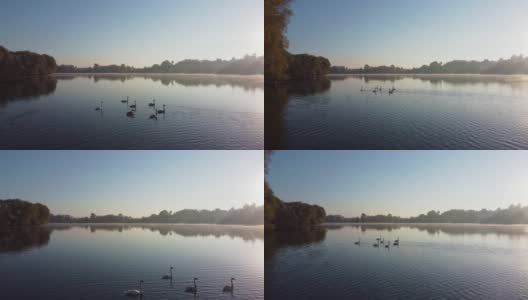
{"x": 284, "y": 216}
{"x": 247, "y": 215}
{"x": 279, "y": 64}
{"x": 517, "y": 64}
{"x": 248, "y": 65}
{"x": 15, "y": 212}
{"x": 20, "y": 64}
{"x": 514, "y": 214}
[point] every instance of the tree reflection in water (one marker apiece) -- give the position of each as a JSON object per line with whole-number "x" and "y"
{"x": 276, "y": 240}
{"x": 24, "y": 238}
{"x": 19, "y": 239}
{"x": 26, "y": 89}
{"x": 276, "y": 97}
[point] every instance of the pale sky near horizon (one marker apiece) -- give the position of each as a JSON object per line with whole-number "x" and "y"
{"x": 404, "y": 183}
{"x": 134, "y": 183}
{"x": 133, "y": 32}
{"x": 408, "y": 33}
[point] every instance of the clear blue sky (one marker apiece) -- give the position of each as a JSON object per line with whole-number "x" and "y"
{"x": 133, "y": 32}
{"x": 403, "y": 183}
{"x": 408, "y": 32}
{"x": 135, "y": 183}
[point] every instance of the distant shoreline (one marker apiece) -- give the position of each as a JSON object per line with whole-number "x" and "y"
{"x": 156, "y": 224}
{"x": 427, "y": 74}
{"x": 449, "y": 224}
{"x": 147, "y": 73}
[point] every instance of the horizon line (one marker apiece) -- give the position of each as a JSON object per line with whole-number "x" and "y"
{"x": 440, "y": 62}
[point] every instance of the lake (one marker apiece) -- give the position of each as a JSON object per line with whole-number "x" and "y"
{"x": 102, "y": 261}
{"x": 431, "y": 262}
{"x": 425, "y": 112}
{"x": 202, "y": 112}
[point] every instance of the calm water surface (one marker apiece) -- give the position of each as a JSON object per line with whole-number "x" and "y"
{"x": 432, "y": 262}
{"x": 203, "y": 112}
{"x": 101, "y": 261}
{"x": 425, "y": 112}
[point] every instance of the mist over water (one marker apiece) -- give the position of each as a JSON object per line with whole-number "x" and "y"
{"x": 101, "y": 261}
{"x": 425, "y": 112}
{"x": 202, "y": 112}
{"x": 432, "y": 262}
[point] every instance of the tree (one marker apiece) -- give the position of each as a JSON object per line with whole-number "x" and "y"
{"x": 19, "y": 212}
{"x": 276, "y": 17}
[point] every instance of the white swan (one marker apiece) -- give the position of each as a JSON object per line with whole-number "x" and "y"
{"x": 192, "y": 289}
{"x": 168, "y": 276}
{"x": 133, "y": 106}
{"x": 125, "y": 101}
{"x": 100, "y": 108}
{"x": 229, "y": 288}
{"x": 162, "y": 111}
{"x": 153, "y": 103}
{"x": 135, "y": 293}
{"x": 358, "y": 241}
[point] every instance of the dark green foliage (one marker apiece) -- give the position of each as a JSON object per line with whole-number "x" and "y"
{"x": 15, "y": 212}
{"x": 284, "y": 216}
{"x": 298, "y": 215}
{"x": 247, "y": 215}
{"x": 276, "y": 17}
{"x": 307, "y": 67}
{"x": 514, "y": 65}
{"x": 272, "y": 205}
{"x": 279, "y": 64}
{"x": 514, "y": 214}
{"x": 16, "y": 65}
{"x": 248, "y": 65}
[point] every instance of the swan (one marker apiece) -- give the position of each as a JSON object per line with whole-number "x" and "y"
{"x": 388, "y": 245}
{"x": 376, "y": 245}
{"x": 154, "y": 116}
{"x": 168, "y": 276}
{"x": 125, "y": 101}
{"x": 153, "y": 104}
{"x": 362, "y": 89}
{"x": 130, "y": 114}
{"x": 192, "y": 289}
{"x": 135, "y": 293}
{"x": 229, "y": 288}
{"x": 162, "y": 111}
{"x": 133, "y": 106}
{"x": 382, "y": 240}
{"x": 358, "y": 241}
{"x": 100, "y": 108}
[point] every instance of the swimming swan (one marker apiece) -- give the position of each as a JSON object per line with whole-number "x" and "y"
{"x": 168, "y": 276}
{"x": 192, "y": 289}
{"x": 135, "y": 293}
{"x": 100, "y": 108}
{"x": 229, "y": 288}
